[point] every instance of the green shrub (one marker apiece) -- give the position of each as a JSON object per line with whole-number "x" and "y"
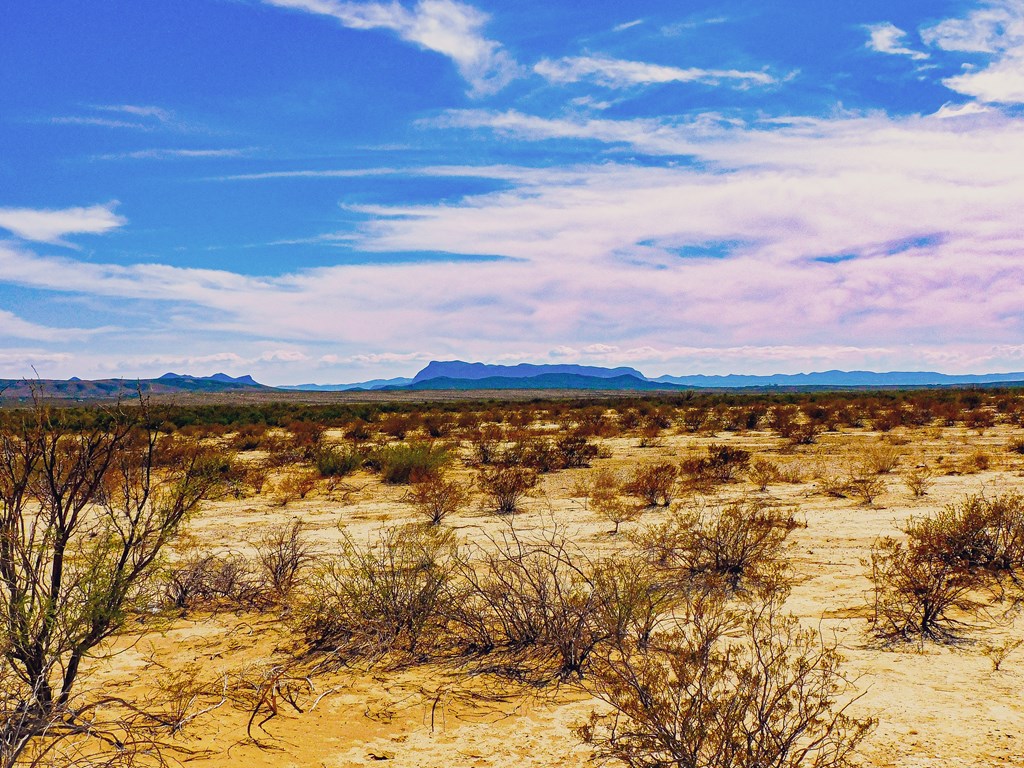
{"x": 409, "y": 462}
{"x": 335, "y": 461}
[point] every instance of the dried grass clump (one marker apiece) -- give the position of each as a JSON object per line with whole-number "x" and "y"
{"x": 388, "y": 596}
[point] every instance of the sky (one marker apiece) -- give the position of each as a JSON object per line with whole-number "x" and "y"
{"x": 337, "y": 190}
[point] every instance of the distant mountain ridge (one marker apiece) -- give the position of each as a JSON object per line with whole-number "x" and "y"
{"x": 543, "y": 381}
{"x": 223, "y": 378}
{"x": 457, "y": 369}
{"x": 837, "y": 378}
{"x": 371, "y": 384}
{"x": 111, "y": 389}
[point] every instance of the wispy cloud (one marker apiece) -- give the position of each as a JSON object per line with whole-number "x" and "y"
{"x": 327, "y": 173}
{"x": 627, "y": 25}
{"x": 137, "y": 110}
{"x": 12, "y": 326}
{"x": 174, "y": 154}
{"x": 128, "y": 116}
{"x": 620, "y": 73}
{"x": 837, "y": 234}
{"x": 450, "y": 28}
{"x": 888, "y": 38}
{"x": 50, "y": 226}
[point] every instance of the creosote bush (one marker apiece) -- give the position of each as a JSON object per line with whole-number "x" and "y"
{"x": 507, "y": 486}
{"x": 282, "y": 553}
{"x": 721, "y": 464}
{"x": 725, "y": 689}
{"x": 409, "y": 462}
{"x": 336, "y": 461}
{"x": 654, "y": 484}
{"x": 438, "y": 496}
{"x": 932, "y": 585}
{"x": 734, "y": 548}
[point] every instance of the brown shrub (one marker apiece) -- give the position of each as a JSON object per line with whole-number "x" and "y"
{"x": 507, "y": 486}
{"x": 437, "y": 497}
{"x": 735, "y": 548}
{"x": 654, "y": 484}
{"x": 725, "y": 689}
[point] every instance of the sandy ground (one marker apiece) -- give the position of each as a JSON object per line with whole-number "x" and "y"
{"x": 937, "y": 706}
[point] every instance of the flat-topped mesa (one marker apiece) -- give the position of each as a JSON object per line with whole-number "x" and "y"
{"x": 458, "y": 369}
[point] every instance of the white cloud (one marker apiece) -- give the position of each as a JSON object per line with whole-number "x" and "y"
{"x": 49, "y": 226}
{"x": 12, "y": 326}
{"x": 627, "y": 25}
{"x": 450, "y": 28}
{"x": 888, "y": 38}
{"x": 864, "y": 240}
{"x": 173, "y": 154}
{"x": 995, "y": 29}
{"x": 143, "y": 118}
{"x": 620, "y": 73}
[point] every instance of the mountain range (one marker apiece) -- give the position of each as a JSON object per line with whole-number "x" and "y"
{"x": 460, "y": 375}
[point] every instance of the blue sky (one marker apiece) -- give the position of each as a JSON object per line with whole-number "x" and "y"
{"x": 320, "y": 190}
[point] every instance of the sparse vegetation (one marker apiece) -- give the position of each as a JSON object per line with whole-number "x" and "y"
{"x": 430, "y": 600}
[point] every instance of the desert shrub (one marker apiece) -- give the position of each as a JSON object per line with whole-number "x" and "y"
{"x": 737, "y": 547}
{"x": 615, "y": 509}
{"x": 336, "y": 461}
{"x": 387, "y": 596}
{"x": 409, "y": 462}
{"x": 255, "y": 476}
{"x": 721, "y": 464}
{"x": 999, "y": 652}
{"x": 762, "y": 473}
{"x": 534, "y": 453}
{"x": 507, "y": 486}
{"x": 437, "y": 497}
{"x": 248, "y": 437}
{"x": 931, "y": 585}
{"x": 635, "y": 598}
{"x": 304, "y": 438}
{"x": 654, "y": 483}
{"x": 880, "y": 458}
{"x": 295, "y": 485}
{"x": 282, "y": 552}
{"x": 438, "y": 423}
{"x": 917, "y": 480}
{"x": 978, "y": 461}
{"x": 531, "y": 610}
{"x": 486, "y": 442}
{"x": 918, "y": 596}
{"x": 977, "y": 534}
{"x": 725, "y": 689}
{"x": 85, "y": 518}
{"x": 865, "y": 485}
{"x": 398, "y": 425}
{"x": 208, "y": 581}
{"x": 831, "y": 482}
{"x": 574, "y": 450}
{"x": 979, "y": 419}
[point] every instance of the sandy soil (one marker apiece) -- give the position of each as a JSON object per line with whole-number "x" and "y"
{"x": 937, "y": 705}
